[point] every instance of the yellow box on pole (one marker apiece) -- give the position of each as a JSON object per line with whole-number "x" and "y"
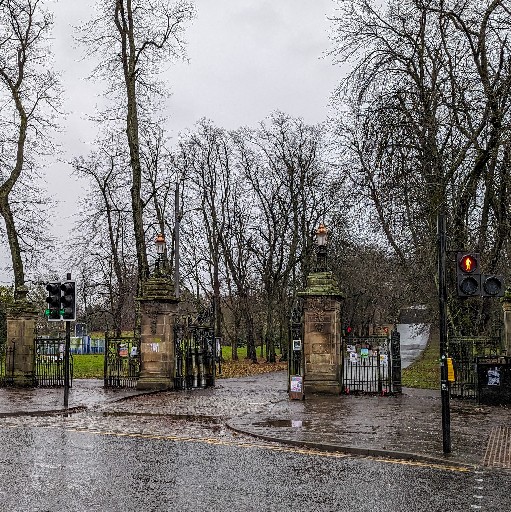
{"x": 450, "y": 370}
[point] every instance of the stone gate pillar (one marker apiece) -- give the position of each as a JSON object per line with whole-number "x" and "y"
{"x": 158, "y": 308}
{"x": 20, "y": 353}
{"x": 322, "y": 334}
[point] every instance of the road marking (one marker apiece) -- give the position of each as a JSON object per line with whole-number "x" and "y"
{"x": 284, "y": 449}
{"x": 276, "y": 448}
{"x": 478, "y": 487}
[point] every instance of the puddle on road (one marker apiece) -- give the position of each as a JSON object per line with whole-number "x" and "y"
{"x": 282, "y": 423}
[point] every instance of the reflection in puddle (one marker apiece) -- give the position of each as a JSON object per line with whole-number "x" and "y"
{"x": 282, "y": 423}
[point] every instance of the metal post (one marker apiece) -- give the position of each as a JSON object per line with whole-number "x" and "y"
{"x": 66, "y": 358}
{"x": 442, "y": 302}
{"x": 176, "y": 241}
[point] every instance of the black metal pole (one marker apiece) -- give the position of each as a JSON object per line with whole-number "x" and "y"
{"x": 177, "y": 219}
{"x": 66, "y": 359}
{"x": 442, "y": 303}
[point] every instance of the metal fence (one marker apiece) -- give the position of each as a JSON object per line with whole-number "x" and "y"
{"x": 464, "y": 350}
{"x": 49, "y": 368}
{"x": 195, "y": 355}
{"x": 122, "y": 362}
{"x": 7, "y": 364}
{"x": 370, "y": 366}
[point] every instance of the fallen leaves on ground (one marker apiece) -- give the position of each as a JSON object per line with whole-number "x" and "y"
{"x": 245, "y": 368}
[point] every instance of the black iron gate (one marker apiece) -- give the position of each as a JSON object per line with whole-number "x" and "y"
{"x": 295, "y": 351}
{"x": 370, "y": 365}
{"x": 49, "y": 362}
{"x": 7, "y": 364}
{"x": 195, "y": 354}
{"x": 464, "y": 351}
{"x": 122, "y": 362}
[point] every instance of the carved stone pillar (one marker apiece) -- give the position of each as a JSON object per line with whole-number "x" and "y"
{"x": 158, "y": 310}
{"x": 322, "y": 334}
{"x": 21, "y": 323}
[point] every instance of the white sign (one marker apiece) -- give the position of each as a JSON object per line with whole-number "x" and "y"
{"x": 155, "y": 347}
{"x": 384, "y": 359}
{"x": 494, "y": 377}
{"x": 296, "y": 383}
{"x": 353, "y": 357}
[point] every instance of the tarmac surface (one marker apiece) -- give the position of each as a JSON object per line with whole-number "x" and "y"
{"x": 407, "y": 426}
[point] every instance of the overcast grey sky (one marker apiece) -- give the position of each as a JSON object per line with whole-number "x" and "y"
{"x": 247, "y": 58}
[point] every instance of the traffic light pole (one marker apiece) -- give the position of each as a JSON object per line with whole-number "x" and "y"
{"x": 66, "y": 359}
{"x": 442, "y": 302}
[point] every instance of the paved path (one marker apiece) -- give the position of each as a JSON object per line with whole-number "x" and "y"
{"x": 85, "y": 393}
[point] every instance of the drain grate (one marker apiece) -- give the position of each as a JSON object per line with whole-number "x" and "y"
{"x": 498, "y": 450}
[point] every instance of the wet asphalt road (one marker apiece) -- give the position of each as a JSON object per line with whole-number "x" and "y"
{"x": 96, "y": 462}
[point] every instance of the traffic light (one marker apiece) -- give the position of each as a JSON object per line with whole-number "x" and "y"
{"x": 492, "y": 286}
{"x": 468, "y": 274}
{"x": 53, "y": 300}
{"x": 68, "y": 301}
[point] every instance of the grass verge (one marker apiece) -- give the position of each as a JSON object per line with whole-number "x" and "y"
{"x": 424, "y": 373}
{"x": 88, "y": 366}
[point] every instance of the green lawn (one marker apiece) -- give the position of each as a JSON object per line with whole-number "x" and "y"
{"x": 227, "y": 353}
{"x": 88, "y": 366}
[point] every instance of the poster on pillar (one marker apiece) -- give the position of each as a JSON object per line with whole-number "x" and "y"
{"x": 296, "y": 387}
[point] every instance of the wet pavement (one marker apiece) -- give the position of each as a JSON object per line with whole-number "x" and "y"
{"x": 402, "y": 427}
{"x": 85, "y": 393}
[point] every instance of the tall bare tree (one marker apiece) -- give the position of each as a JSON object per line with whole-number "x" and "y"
{"x": 104, "y": 246}
{"x": 29, "y": 92}
{"x": 134, "y": 40}
{"x": 284, "y": 162}
{"x": 428, "y": 128}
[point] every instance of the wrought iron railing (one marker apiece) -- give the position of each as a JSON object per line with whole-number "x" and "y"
{"x": 367, "y": 365}
{"x": 7, "y": 364}
{"x": 464, "y": 350}
{"x": 194, "y": 355}
{"x": 49, "y": 370}
{"x": 122, "y": 362}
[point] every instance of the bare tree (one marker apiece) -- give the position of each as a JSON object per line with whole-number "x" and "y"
{"x": 135, "y": 39}
{"x": 205, "y": 159}
{"x": 428, "y": 127}
{"x": 104, "y": 245}
{"x": 30, "y": 101}
{"x": 285, "y": 164}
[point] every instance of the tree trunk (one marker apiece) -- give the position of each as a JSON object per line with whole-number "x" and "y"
{"x": 12, "y": 237}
